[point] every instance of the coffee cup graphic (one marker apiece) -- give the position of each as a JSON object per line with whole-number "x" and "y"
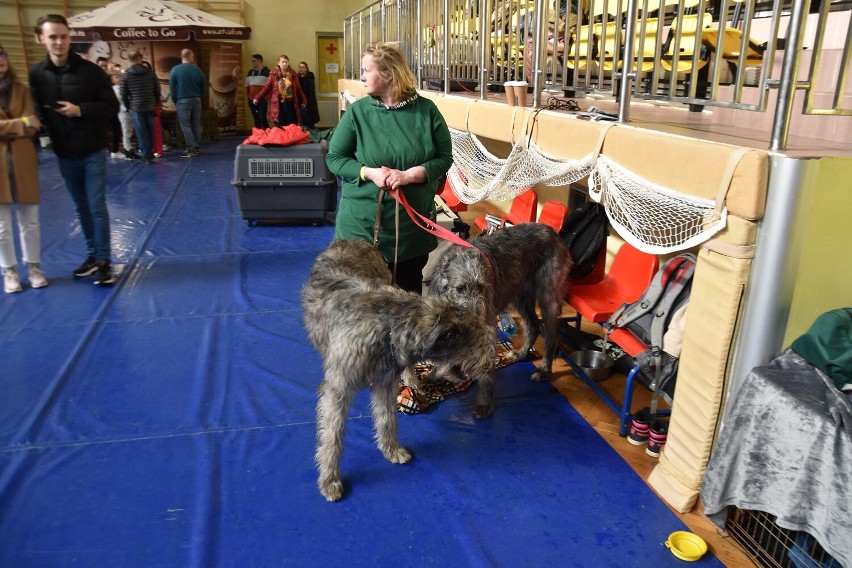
{"x": 223, "y": 94}
{"x": 164, "y": 65}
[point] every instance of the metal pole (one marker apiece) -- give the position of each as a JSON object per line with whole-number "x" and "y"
{"x": 484, "y": 46}
{"x": 419, "y": 46}
{"x": 789, "y": 71}
{"x": 345, "y": 43}
{"x": 627, "y": 72}
{"x": 538, "y": 48}
{"x": 383, "y": 15}
{"x": 446, "y": 43}
{"x": 776, "y": 263}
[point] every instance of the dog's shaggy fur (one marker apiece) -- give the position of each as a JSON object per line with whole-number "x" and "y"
{"x": 367, "y": 332}
{"x": 530, "y": 263}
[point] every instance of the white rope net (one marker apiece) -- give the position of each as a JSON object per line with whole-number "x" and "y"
{"x": 652, "y": 218}
{"x": 477, "y": 174}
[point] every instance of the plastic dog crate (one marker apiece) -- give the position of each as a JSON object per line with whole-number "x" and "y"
{"x": 284, "y": 183}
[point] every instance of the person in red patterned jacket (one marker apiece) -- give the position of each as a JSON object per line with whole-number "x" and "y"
{"x": 287, "y": 96}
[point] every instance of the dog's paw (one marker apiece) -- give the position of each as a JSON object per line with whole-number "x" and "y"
{"x": 331, "y": 490}
{"x": 483, "y": 410}
{"x": 512, "y": 356}
{"x": 398, "y": 454}
{"x": 541, "y": 375}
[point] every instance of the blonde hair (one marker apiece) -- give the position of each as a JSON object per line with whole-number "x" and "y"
{"x": 391, "y": 65}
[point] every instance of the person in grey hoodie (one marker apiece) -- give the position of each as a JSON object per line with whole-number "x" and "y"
{"x": 140, "y": 92}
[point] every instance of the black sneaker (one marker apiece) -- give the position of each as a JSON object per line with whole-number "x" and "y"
{"x": 640, "y": 428}
{"x": 657, "y": 438}
{"x": 105, "y": 276}
{"x": 187, "y": 153}
{"x": 88, "y": 267}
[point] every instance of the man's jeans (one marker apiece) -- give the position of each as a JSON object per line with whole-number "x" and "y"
{"x": 189, "y": 118}
{"x": 86, "y": 181}
{"x": 143, "y": 123}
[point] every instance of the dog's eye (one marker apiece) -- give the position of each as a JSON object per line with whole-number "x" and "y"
{"x": 460, "y": 289}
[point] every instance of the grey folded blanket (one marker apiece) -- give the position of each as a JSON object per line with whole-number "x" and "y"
{"x": 785, "y": 448}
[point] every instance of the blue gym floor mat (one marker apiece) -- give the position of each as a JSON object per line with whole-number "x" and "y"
{"x": 169, "y": 421}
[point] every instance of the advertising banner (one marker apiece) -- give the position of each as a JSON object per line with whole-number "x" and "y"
{"x": 224, "y": 76}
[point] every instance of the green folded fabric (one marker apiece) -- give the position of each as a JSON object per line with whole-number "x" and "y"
{"x": 827, "y": 345}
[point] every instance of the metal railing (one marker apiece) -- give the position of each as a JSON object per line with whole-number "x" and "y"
{"x": 694, "y": 52}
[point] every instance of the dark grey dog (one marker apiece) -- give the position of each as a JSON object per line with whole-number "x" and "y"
{"x": 529, "y": 263}
{"x": 367, "y": 332}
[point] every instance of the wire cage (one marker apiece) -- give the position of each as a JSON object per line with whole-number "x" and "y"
{"x": 771, "y": 546}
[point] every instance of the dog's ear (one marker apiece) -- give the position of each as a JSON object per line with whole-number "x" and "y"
{"x": 435, "y": 322}
{"x": 440, "y": 277}
{"x": 458, "y": 336}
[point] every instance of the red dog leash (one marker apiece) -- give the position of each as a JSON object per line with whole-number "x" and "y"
{"x": 430, "y": 227}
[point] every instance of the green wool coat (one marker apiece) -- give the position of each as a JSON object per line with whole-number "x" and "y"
{"x": 369, "y": 134}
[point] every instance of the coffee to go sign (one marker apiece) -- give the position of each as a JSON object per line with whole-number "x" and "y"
{"x": 134, "y": 33}
{"x": 154, "y": 20}
{"x": 159, "y": 33}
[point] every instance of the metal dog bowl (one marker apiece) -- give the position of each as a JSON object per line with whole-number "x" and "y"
{"x": 596, "y": 364}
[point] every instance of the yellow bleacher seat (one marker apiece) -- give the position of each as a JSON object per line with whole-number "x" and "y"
{"x": 685, "y": 49}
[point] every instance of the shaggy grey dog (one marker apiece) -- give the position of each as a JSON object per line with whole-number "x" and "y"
{"x": 530, "y": 264}
{"x": 367, "y": 332}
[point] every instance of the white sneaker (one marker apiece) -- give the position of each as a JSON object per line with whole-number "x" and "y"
{"x": 37, "y": 279}
{"x": 117, "y": 156}
{"x": 11, "y": 282}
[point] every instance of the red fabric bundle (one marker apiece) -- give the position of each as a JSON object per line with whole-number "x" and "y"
{"x": 283, "y": 136}
{"x": 258, "y": 136}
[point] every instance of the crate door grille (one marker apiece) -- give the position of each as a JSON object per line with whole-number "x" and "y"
{"x": 281, "y": 167}
{"x": 771, "y": 546}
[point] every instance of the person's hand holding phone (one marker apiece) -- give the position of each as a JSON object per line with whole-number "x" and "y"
{"x": 68, "y": 109}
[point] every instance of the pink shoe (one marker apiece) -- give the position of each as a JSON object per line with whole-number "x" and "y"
{"x": 640, "y": 427}
{"x": 657, "y": 438}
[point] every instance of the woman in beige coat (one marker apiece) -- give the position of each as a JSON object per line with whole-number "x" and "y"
{"x": 19, "y": 186}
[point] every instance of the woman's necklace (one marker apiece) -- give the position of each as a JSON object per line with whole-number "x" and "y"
{"x": 401, "y": 104}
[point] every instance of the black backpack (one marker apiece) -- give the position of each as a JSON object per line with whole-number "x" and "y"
{"x": 584, "y": 233}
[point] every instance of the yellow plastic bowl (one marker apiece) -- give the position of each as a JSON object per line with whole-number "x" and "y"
{"x": 686, "y": 545}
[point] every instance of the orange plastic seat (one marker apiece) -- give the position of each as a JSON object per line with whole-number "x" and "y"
{"x": 631, "y": 272}
{"x": 450, "y": 198}
{"x": 625, "y": 339}
{"x": 523, "y": 210}
{"x": 553, "y": 214}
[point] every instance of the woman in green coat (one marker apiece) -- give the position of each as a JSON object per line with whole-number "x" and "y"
{"x": 396, "y": 140}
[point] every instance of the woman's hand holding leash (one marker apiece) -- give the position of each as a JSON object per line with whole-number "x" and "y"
{"x": 394, "y": 179}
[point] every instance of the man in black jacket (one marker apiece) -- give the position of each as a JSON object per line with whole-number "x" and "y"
{"x": 140, "y": 93}
{"x": 76, "y": 102}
